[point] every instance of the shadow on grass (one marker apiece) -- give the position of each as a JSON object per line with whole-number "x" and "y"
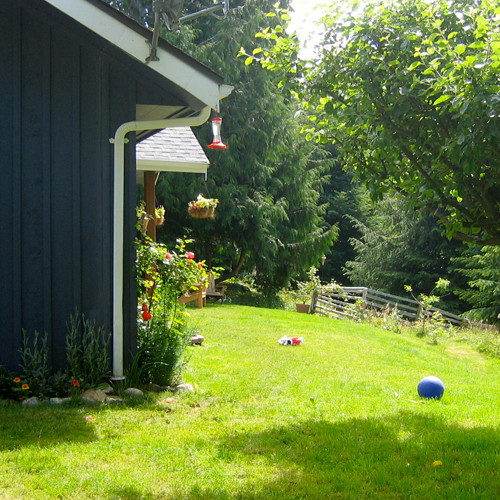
{"x": 130, "y": 493}
{"x": 395, "y": 457}
{"x": 43, "y": 426}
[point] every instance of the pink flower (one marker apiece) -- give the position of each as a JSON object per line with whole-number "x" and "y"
{"x": 89, "y": 417}
{"x": 200, "y": 265}
{"x": 168, "y": 256}
{"x": 190, "y": 255}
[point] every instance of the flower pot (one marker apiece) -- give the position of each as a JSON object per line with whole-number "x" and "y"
{"x": 201, "y": 213}
{"x": 159, "y": 221}
{"x": 302, "y": 308}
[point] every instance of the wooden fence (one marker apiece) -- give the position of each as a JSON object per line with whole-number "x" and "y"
{"x": 346, "y": 302}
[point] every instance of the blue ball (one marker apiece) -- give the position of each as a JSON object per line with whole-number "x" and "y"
{"x": 431, "y": 388}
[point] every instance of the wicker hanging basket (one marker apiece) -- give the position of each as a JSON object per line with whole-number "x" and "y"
{"x": 159, "y": 221}
{"x": 201, "y": 213}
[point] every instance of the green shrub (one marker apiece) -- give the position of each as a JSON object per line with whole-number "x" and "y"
{"x": 35, "y": 363}
{"x": 6, "y": 384}
{"x": 162, "y": 340}
{"x": 87, "y": 350}
{"x": 163, "y": 275}
{"x": 484, "y": 340}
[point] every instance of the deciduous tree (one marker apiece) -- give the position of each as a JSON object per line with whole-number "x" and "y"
{"x": 410, "y": 94}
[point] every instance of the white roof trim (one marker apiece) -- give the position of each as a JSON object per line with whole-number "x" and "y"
{"x": 169, "y": 66}
{"x": 172, "y": 166}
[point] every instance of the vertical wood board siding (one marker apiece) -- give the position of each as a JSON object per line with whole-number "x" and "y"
{"x": 61, "y": 99}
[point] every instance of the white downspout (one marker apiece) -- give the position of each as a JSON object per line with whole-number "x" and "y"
{"x": 119, "y": 142}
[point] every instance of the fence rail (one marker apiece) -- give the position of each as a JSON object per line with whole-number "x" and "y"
{"x": 343, "y": 303}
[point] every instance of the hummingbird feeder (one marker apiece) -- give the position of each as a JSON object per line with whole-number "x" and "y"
{"x": 217, "y": 143}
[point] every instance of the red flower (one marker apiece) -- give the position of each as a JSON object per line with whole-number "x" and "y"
{"x": 190, "y": 255}
{"x": 144, "y": 307}
{"x": 362, "y": 305}
{"x": 75, "y": 383}
{"x": 146, "y": 316}
{"x": 168, "y": 256}
{"x": 200, "y": 265}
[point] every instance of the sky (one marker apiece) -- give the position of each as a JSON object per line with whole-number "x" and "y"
{"x": 306, "y": 12}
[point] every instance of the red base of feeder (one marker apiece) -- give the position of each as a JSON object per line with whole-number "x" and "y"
{"x": 217, "y": 145}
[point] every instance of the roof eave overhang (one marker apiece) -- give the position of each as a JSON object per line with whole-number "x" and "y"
{"x": 184, "y": 71}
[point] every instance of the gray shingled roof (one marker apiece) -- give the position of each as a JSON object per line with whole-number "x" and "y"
{"x": 172, "y": 145}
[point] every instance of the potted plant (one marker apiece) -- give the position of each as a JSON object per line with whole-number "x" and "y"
{"x": 159, "y": 215}
{"x": 305, "y": 290}
{"x": 143, "y": 217}
{"x": 202, "y": 207}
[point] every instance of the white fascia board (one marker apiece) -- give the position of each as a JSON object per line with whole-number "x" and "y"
{"x": 169, "y": 66}
{"x": 172, "y": 166}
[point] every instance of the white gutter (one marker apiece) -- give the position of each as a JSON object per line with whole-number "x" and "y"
{"x": 119, "y": 142}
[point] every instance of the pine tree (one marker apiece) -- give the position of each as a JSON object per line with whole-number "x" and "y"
{"x": 481, "y": 267}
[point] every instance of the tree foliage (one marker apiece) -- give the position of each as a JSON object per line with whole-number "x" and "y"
{"x": 346, "y": 201}
{"x": 399, "y": 247}
{"x": 409, "y": 92}
{"x": 270, "y": 220}
{"x": 482, "y": 269}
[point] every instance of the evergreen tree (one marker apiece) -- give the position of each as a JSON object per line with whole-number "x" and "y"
{"x": 481, "y": 267}
{"x": 346, "y": 201}
{"x": 399, "y": 247}
{"x": 270, "y": 220}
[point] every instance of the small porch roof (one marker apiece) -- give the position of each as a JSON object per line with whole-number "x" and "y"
{"x": 171, "y": 150}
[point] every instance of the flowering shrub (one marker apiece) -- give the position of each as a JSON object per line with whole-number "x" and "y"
{"x": 163, "y": 275}
{"x": 12, "y": 387}
{"x": 143, "y": 217}
{"x": 160, "y": 268}
{"x": 162, "y": 338}
{"x": 20, "y": 388}
{"x": 360, "y": 311}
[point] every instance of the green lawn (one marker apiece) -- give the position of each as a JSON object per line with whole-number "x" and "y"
{"x": 338, "y": 417}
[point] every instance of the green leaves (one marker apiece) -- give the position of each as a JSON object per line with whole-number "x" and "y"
{"x": 408, "y": 94}
{"x": 442, "y": 99}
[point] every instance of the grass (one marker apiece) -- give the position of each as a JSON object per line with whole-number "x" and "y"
{"x": 337, "y": 417}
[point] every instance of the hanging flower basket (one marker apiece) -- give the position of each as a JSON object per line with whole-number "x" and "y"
{"x": 159, "y": 215}
{"x": 202, "y": 208}
{"x": 201, "y": 213}
{"x": 144, "y": 222}
{"x": 159, "y": 221}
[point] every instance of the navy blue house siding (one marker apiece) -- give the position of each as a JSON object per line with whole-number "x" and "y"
{"x": 63, "y": 93}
